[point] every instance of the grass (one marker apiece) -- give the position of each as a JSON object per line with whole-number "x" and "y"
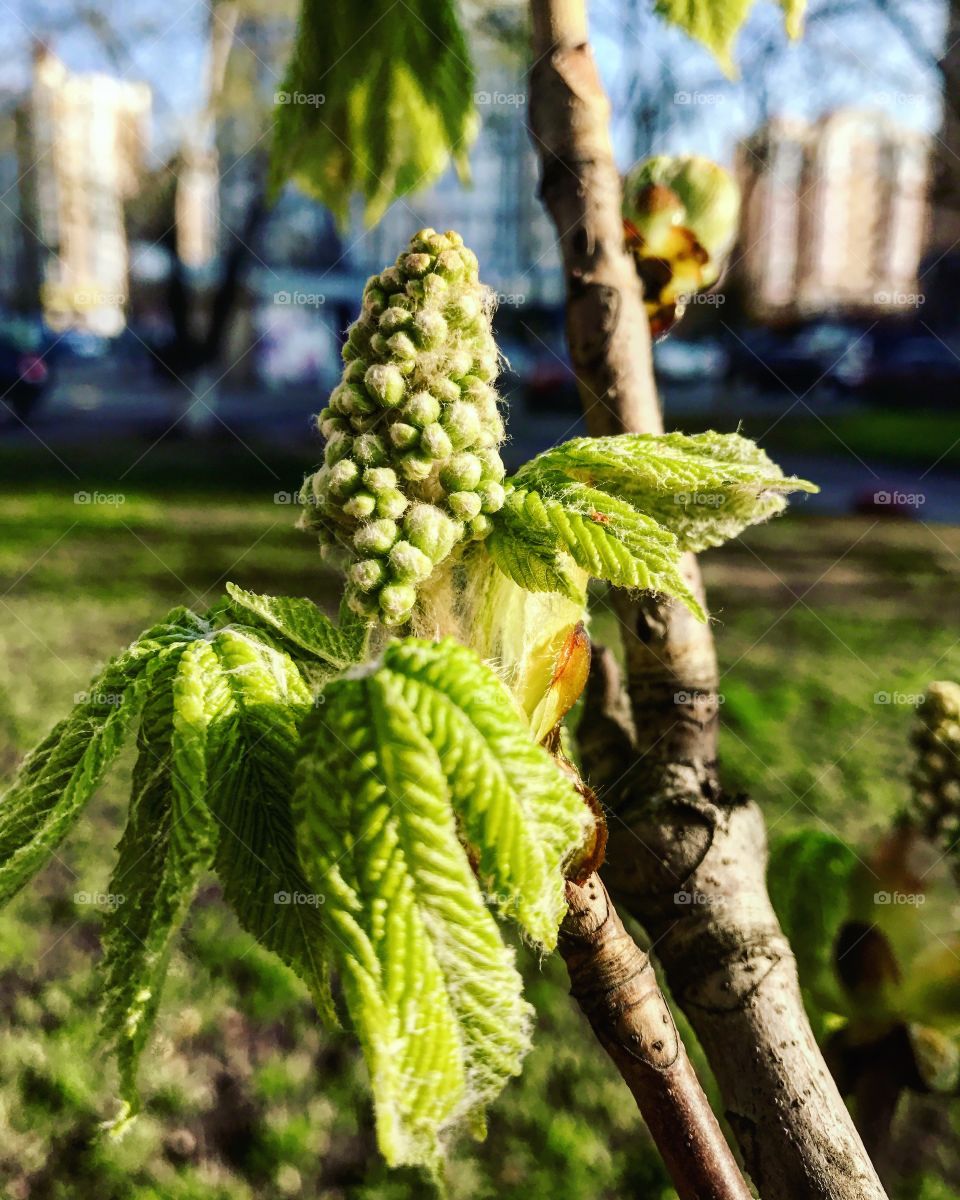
{"x": 245, "y": 1096}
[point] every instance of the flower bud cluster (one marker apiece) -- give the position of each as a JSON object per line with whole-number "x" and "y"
{"x": 412, "y": 466}
{"x": 936, "y": 771}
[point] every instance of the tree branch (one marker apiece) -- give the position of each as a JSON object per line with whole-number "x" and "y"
{"x": 614, "y": 983}
{"x": 728, "y": 963}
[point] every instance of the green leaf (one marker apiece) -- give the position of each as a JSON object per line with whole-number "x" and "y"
{"x": 431, "y": 989}
{"x": 57, "y": 779}
{"x": 519, "y": 812}
{"x": 166, "y": 847}
{"x": 705, "y": 487}
{"x": 715, "y": 23}
{"x": 253, "y": 744}
{"x": 603, "y": 536}
{"x": 301, "y": 623}
{"x": 377, "y": 99}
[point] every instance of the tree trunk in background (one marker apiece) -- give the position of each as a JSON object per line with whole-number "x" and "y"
{"x": 653, "y": 757}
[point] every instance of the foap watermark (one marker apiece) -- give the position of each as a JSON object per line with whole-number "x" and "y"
{"x": 699, "y": 499}
{"x": 711, "y": 299}
{"x": 100, "y": 699}
{"x": 698, "y": 97}
{"x": 111, "y": 499}
{"x": 110, "y": 900}
{"x": 92, "y": 297}
{"x": 309, "y": 499}
{"x": 511, "y": 299}
{"x": 901, "y": 499}
{"x": 693, "y": 697}
{"x": 308, "y": 899}
{"x": 300, "y": 299}
{"x": 899, "y": 98}
{"x": 508, "y": 99}
{"x": 690, "y": 899}
{"x": 900, "y": 299}
{"x": 912, "y": 898}
{"x": 308, "y": 99}
{"x": 907, "y": 699}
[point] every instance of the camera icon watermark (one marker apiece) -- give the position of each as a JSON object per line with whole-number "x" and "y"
{"x": 914, "y": 899}
{"x": 108, "y": 900}
{"x": 300, "y": 299}
{"x": 111, "y": 499}
{"x": 900, "y": 499}
{"x": 908, "y": 699}
{"x": 309, "y": 99}
{"x": 308, "y": 899}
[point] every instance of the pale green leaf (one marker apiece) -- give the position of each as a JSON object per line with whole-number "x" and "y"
{"x": 57, "y": 778}
{"x": 705, "y": 487}
{"x": 430, "y": 987}
{"x": 377, "y": 100}
{"x": 300, "y": 622}
{"x": 518, "y": 811}
{"x": 715, "y": 23}
{"x": 252, "y": 745}
{"x": 167, "y": 846}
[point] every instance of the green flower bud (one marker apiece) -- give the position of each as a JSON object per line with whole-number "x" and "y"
{"x": 379, "y": 479}
{"x": 391, "y": 280}
{"x": 392, "y": 319}
{"x": 421, "y": 409}
{"x": 408, "y": 564}
{"x": 367, "y": 574}
{"x": 343, "y": 478}
{"x": 378, "y": 345}
{"x": 450, "y": 265}
{"x": 445, "y": 390}
{"x": 479, "y": 528}
{"x": 360, "y": 506}
{"x": 435, "y": 288}
{"x": 421, "y": 239}
{"x": 374, "y": 301}
{"x": 403, "y": 436}
{"x": 376, "y": 537}
{"x": 392, "y": 503}
{"x": 429, "y": 329}
{"x": 353, "y": 372}
{"x": 338, "y": 446}
{"x": 435, "y": 441}
{"x": 328, "y": 423}
{"x": 396, "y": 602}
{"x": 464, "y": 505}
{"x": 492, "y": 495}
{"x": 385, "y": 383}
{"x": 462, "y": 473}
{"x": 363, "y": 606}
{"x": 415, "y": 467}
{"x": 402, "y": 345}
{"x": 430, "y": 530}
{"x": 464, "y": 310}
{"x": 459, "y": 365}
{"x": 369, "y": 450}
{"x": 462, "y": 424}
{"x": 416, "y": 264}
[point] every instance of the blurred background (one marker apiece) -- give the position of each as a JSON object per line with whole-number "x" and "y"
{"x": 165, "y": 335}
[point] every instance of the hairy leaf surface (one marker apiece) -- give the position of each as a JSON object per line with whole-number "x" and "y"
{"x": 57, "y": 779}
{"x": 301, "y": 623}
{"x": 430, "y": 987}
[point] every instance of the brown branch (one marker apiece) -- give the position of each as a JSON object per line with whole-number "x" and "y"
{"x": 614, "y": 983}
{"x": 727, "y": 961}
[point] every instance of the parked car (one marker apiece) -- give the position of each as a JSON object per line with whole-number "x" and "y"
{"x": 823, "y": 354}
{"x": 25, "y": 370}
{"x": 920, "y": 364}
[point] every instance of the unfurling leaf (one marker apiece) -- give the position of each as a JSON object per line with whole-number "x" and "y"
{"x": 166, "y": 847}
{"x": 397, "y": 765}
{"x": 377, "y": 99}
{"x": 705, "y": 488}
{"x": 552, "y": 541}
{"x": 57, "y": 779}
{"x": 301, "y": 623}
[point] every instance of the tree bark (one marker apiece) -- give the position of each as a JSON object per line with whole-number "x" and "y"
{"x": 674, "y": 832}
{"x": 614, "y": 983}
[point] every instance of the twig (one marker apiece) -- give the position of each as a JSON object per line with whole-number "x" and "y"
{"x": 727, "y": 961}
{"x": 614, "y": 983}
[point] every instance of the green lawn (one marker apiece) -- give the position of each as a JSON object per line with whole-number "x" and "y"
{"x": 245, "y": 1096}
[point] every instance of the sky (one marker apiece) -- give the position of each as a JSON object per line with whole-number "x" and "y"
{"x": 851, "y": 54}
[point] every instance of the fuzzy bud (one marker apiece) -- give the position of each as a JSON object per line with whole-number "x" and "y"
{"x": 376, "y": 537}
{"x": 385, "y": 383}
{"x": 408, "y": 564}
{"x": 461, "y": 473}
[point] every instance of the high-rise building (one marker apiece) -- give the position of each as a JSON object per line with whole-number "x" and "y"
{"x": 81, "y": 149}
{"x": 834, "y": 215}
